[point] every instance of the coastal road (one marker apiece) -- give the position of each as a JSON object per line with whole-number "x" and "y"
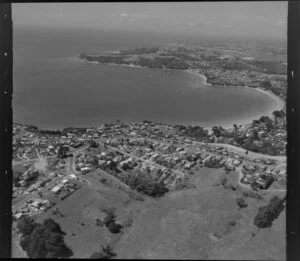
{"x": 231, "y": 148}
{"x": 250, "y": 155}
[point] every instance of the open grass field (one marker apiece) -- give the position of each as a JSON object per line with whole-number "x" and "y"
{"x": 83, "y": 207}
{"x": 202, "y": 221}
{"x": 41, "y": 164}
{"x": 198, "y": 223}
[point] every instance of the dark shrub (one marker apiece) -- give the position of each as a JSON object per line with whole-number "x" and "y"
{"x": 53, "y": 226}
{"x": 267, "y": 214}
{"x": 241, "y": 203}
{"x": 26, "y": 225}
{"x": 45, "y": 241}
{"x": 106, "y": 253}
{"x": 114, "y": 228}
{"x": 232, "y": 223}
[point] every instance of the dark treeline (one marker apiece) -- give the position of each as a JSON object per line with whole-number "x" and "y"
{"x": 142, "y": 50}
{"x": 267, "y": 214}
{"x": 44, "y": 240}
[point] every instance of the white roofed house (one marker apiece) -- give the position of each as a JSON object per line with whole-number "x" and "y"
{"x": 56, "y": 189}
{"x": 84, "y": 170}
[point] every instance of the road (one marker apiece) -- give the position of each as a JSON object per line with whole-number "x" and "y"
{"x": 69, "y": 170}
{"x": 231, "y": 148}
{"x": 250, "y": 155}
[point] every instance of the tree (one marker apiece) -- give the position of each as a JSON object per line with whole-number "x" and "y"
{"x": 266, "y": 84}
{"x": 269, "y": 125}
{"x": 216, "y": 131}
{"x": 255, "y": 134}
{"x": 114, "y": 228}
{"x": 62, "y": 152}
{"x": 45, "y": 241}
{"x": 276, "y": 114}
{"x": 93, "y": 144}
{"x": 241, "y": 203}
{"x": 106, "y": 253}
{"x": 26, "y": 225}
{"x": 267, "y": 214}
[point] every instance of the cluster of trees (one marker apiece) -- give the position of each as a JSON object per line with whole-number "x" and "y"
{"x": 103, "y": 59}
{"x": 159, "y": 62}
{"x": 77, "y": 131}
{"x": 267, "y": 214}
{"x": 109, "y": 59}
{"x": 266, "y": 147}
{"x": 32, "y": 128}
{"x": 62, "y": 152}
{"x": 142, "y": 182}
{"x": 272, "y": 67}
{"x": 110, "y": 221}
{"x": 267, "y": 121}
{"x": 44, "y": 240}
{"x": 31, "y": 179}
{"x": 156, "y": 62}
{"x": 181, "y": 56}
{"x": 278, "y": 115}
{"x": 51, "y": 132}
{"x": 197, "y": 132}
{"x": 106, "y": 253}
{"x": 139, "y": 51}
{"x": 267, "y": 85}
{"x": 241, "y": 203}
{"x": 93, "y": 144}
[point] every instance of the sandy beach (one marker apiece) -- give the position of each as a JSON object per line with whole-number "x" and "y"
{"x": 199, "y": 75}
{"x": 278, "y": 104}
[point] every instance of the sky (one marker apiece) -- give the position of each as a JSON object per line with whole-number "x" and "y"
{"x": 262, "y": 19}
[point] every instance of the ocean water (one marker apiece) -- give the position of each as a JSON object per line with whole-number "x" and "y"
{"x": 53, "y": 89}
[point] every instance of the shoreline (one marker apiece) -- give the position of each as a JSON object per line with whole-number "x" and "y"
{"x": 278, "y": 102}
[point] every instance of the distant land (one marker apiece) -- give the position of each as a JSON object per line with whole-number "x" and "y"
{"x": 222, "y": 66}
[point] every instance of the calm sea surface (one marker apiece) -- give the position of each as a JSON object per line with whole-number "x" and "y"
{"x": 52, "y": 89}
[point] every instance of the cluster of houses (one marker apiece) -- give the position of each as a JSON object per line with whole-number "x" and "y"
{"x": 150, "y": 147}
{"x": 32, "y": 207}
{"x": 261, "y": 178}
{"x": 66, "y": 186}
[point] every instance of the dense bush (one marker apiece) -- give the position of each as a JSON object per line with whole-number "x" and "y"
{"x": 196, "y": 132}
{"x": 241, "y": 203}
{"x": 43, "y": 240}
{"x": 106, "y": 253}
{"x": 110, "y": 221}
{"x": 114, "y": 228}
{"x": 267, "y": 214}
{"x": 51, "y": 132}
{"x": 31, "y": 179}
{"x": 26, "y": 225}
{"x": 62, "y": 152}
